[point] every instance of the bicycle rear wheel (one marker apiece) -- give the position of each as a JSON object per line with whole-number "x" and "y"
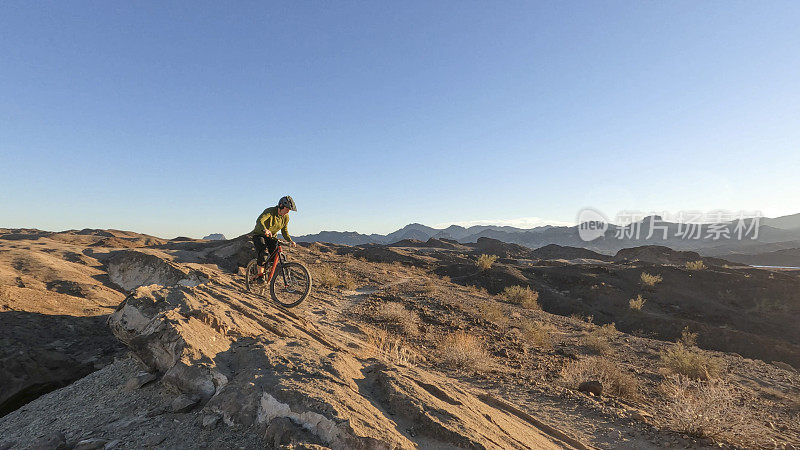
{"x": 253, "y": 284}
{"x": 291, "y": 284}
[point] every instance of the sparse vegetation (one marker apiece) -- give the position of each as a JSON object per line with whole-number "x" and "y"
{"x": 695, "y": 265}
{"x": 702, "y": 408}
{"x": 689, "y": 361}
{"x": 523, "y": 296}
{"x": 477, "y": 290}
{"x": 537, "y": 334}
{"x": 485, "y": 261}
{"x": 688, "y": 339}
{"x": 615, "y": 381}
{"x": 637, "y": 303}
{"x": 598, "y": 339}
{"x": 650, "y": 280}
{"x": 464, "y": 351}
{"x": 325, "y": 276}
{"x": 391, "y": 346}
{"x": 492, "y": 312}
{"x": 430, "y": 287}
{"x": 348, "y": 281}
{"x": 397, "y": 315}
{"x": 315, "y": 247}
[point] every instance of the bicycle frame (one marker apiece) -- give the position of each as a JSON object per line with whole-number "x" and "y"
{"x": 278, "y": 256}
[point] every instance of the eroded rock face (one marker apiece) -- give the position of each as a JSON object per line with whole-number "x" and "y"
{"x": 131, "y": 269}
{"x": 262, "y": 367}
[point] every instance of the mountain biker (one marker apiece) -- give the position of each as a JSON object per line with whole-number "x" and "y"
{"x": 267, "y": 226}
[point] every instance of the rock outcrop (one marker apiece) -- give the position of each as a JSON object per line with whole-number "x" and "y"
{"x": 244, "y": 363}
{"x": 130, "y": 269}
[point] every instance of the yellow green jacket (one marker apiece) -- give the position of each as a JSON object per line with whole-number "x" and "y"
{"x": 272, "y": 221}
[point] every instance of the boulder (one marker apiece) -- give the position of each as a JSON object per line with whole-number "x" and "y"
{"x": 591, "y": 387}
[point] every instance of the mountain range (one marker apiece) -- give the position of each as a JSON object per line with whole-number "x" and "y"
{"x": 774, "y": 234}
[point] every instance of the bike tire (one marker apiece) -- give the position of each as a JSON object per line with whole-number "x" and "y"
{"x": 303, "y": 283}
{"x": 250, "y": 272}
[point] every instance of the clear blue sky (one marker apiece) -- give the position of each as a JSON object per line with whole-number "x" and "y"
{"x": 186, "y": 118}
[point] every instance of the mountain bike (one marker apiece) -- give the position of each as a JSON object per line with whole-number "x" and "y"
{"x": 289, "y": 282}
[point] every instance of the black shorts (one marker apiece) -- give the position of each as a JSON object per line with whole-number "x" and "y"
{"x": 264, "y": 243}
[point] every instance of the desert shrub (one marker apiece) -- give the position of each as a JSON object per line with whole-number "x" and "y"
{"x": 695, "y": 265}
{"x": 703, "y": 408}
{"x": 582, "y": 318}
{"x": 689, "y": 361}
{"x": 485, "y": 261}
{"x": 463, "y": 350}
{"x": 637, "y": 303}
{"x": 650, "y": 280}
{"x": 688, "y": 339}
{"x": 396, "y": 314}
{"x": 391, "y": 346}
{"x": 598, "y": 339}
{"x": 477, "y": 290}
{"x": 492, "y": 312}
{"x": 325, "y": 276}
{"x": 537, "y": 334}
{"x": 523, "y": 296}
{"x": 430, "y": 287}
{"x": 348, "y": 281}
{"x": 615, "y": 381}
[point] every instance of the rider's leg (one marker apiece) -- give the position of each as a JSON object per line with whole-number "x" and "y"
{"x": 272, "y": 244}
{"x": 261, "y": 247}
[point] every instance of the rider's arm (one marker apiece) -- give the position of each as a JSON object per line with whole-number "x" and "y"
{"x": 285, "y": 232}
{"x": 265, "y": 220}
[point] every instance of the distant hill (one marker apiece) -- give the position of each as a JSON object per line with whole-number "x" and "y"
{"x": 791, "y": 222}
{"x": 786, "y": 258}
{"x": 215, "y": 237}
{"x": 773, "y": 234}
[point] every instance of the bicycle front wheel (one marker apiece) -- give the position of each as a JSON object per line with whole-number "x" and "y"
{"x": 291, "y": 284}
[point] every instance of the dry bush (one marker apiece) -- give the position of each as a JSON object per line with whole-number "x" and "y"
{"x": 688, "y": 339}
{"x": 485, "y": 261}
{"x": 537, "y": 334}
{"x": 695, "y": 265}
{"x": 650, "y": 280}
{"x": 477, "y": 290}
{"x": 492, "y": 312}
{"x": 637, "y": 303}
{"x": 704, "y": 409}
{"x": 391, "y": 346}
{"x": 615, "y": 382}
{"x": 396, "y": 314}
{"x": 523, "y": 296}
{"x": 348, "y": 281}
{"x": 430, "y": 287}
{"x": 608, "y": 330}
{"x": 325, "y": 276}
{"x": 598, "y": 339}
{"x": 464, "y": 351}
{"x": 688, "y": 361}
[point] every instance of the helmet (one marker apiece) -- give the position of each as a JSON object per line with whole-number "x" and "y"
{"x": 287, "y": 202}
